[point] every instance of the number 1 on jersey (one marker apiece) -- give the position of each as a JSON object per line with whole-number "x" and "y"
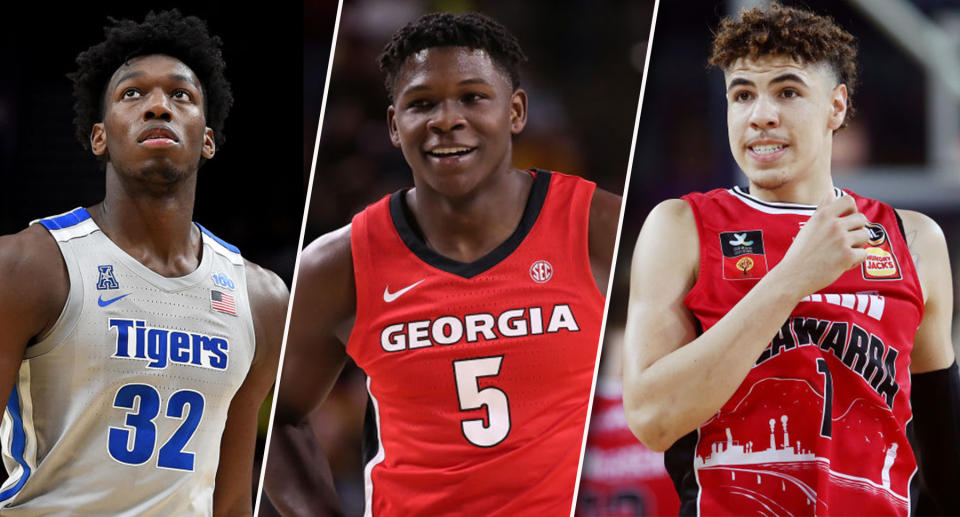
{"x": 826, "y": 422}
{"x": 466, "y": 373}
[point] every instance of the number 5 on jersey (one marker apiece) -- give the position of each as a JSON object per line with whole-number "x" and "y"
{"x": 467, "y": 373}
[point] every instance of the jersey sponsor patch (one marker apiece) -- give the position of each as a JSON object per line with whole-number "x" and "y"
{"x": 743, "y": 255}
{"x": 881, "y": 263}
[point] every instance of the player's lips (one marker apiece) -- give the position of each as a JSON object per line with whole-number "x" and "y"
{"x": 766, "y": 150}
{"x": 157, "y": 137}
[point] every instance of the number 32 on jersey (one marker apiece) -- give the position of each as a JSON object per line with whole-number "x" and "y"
{"x": 134, "y": 443}
{"x": 467, "y": 373}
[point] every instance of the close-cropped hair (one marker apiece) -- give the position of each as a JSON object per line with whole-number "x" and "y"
{"x": 472, "y": 30}
{"x": 167, "y": 32}
{"x": 787, "y": 31}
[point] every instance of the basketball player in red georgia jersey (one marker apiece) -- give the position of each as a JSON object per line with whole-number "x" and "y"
{"x": 473, "y": 301}
{"x": 855, "y": 295}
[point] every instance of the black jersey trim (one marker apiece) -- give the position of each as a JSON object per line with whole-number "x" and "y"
{"x": 745, "y": 194}
{"x": 900, "y": 225}
{"x": 405, "y": 225}
{"x": 679, "y": 460}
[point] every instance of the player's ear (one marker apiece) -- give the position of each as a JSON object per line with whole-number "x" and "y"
{"x": 98, "y": 139}
{"x": 518, "y": 111}
{"x": 209, "y": 145}
{"x": 392, "y": 126}
{"x": 838, "y": 106}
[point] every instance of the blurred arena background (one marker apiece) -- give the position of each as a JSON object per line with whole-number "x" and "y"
{"x": 583, "y": 81}
{"x": 902, "y": 147}
{"x": 251, "y": 194}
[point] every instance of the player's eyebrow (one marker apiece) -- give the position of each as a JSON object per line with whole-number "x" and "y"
{"x": 782, "y": 78}
{"x": 140, "y": 73}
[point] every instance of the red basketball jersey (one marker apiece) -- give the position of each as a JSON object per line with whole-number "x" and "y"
{"x": 819, "y": 424}
{"x": 479, "y": 373}
{"x": 621, "y": 477}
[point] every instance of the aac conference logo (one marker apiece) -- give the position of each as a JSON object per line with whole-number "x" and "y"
{"x": 541, "y": 271}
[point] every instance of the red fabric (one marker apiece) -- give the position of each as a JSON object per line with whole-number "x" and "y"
{"x": 621, "y": 477}
{"x": 862, "y": 464}
{"x": 429, "y": 466}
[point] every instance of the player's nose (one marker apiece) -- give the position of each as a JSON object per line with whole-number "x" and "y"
{"x": 447, "y": 117}
{"x": 157, "y": 105}
{"x": 765, "y": 113}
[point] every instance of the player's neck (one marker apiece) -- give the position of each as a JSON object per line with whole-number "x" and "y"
{"x": 155, "y": 229}
{"x": 468, "y": 228}
{"x": 806, "y": 192}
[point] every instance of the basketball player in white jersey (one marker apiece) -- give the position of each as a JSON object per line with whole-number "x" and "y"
{"x": 136, "y": 347}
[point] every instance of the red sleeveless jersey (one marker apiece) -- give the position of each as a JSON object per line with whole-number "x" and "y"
{"x": 621, "y": 477}
{"x": 479, "y": 373}
{"x": 819, "y": 424}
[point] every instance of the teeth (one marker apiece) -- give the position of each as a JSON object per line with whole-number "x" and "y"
{"x": 445, "y": 151}
{"x": 766, "y": 149}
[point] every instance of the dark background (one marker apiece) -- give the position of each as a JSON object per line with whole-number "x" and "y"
{"x": 583, "y": 81}
{"x": 682, "y": 141}
{"x": 251, "y": 194}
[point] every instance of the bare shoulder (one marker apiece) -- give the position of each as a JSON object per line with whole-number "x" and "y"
{"x": 604, "y": 211}
{"x": 34, "y": 278}
{"x": 328, "y": 254}
{"x": 668, "y": 236}
{"x": 674, "y": 221}
{"x": 919, "y": 228}
{"x": 266, "y": 289}
{"x": 602, "y": 236}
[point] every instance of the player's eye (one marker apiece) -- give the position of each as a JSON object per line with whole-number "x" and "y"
{"x": 742, "y": 96}
{"x": 181, "y": 94}
{"x": 789, "y": 93}
{"x": 472, "y": 97}
{"x": 130, "y": 93}
{"x": 419, "y": 104}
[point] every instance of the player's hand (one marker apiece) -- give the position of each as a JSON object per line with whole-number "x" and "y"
{"x": 831, "y": 242}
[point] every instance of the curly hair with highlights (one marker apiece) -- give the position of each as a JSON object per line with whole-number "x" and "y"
{"x": 787, "y": 31}
{"x": 472, "y": 30}
{"x": 167, "y": 32}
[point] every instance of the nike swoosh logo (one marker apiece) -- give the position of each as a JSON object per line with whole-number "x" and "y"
{"x": 389, "y": 297}
{"x": 103, "y": 303}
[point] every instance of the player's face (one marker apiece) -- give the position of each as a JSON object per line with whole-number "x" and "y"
{"x": 781, "y": 116}
{"x": 453, "y": 115}
{"x": 153, "y": 123}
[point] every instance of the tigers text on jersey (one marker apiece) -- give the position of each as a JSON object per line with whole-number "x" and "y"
{"x": 119, "y": 410}
{"x": 479, "y": 373}
{"x": 819, "y": 424}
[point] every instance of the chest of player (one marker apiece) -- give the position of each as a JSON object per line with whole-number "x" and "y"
{"x": 858, "y": 330}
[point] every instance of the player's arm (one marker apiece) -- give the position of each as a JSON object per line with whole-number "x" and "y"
{"x": 33, "y": 289}
{"x": 604, "y": 218}
{"x": 935, "y": 395}
{"x": 268, "y": 302}
{"x": 297, "y": 479}
{"x": 674, "y": 380}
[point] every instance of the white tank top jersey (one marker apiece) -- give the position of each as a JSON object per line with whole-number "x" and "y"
{"x": 120, "y": 409}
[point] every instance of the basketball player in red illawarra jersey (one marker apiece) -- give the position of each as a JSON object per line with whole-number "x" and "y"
{"x": 472, "y": 301}
{"x": 777, "y": 357}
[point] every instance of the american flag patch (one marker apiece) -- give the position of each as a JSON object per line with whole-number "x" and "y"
{"x": 222, "y": 302}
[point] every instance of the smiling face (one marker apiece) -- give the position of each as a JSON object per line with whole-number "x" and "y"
{"x": 153, "y": 124}
{"x": 453, "y": 115}
{"x": 781, "y": 115}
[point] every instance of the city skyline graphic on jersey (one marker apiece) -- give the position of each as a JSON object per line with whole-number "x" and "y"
{"x": 766, "y": 459}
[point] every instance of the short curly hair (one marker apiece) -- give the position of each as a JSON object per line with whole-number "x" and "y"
{"x": 788, "y": 31}
{"x": 166, "y": 32}
{"x": 471, "y": 30}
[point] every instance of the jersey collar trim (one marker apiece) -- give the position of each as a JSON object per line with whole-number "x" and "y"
{"x": 771, "y": 207}
{"x": 413, "y": 241}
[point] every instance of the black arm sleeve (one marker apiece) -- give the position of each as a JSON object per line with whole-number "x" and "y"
{"x": 936, "y": 422}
